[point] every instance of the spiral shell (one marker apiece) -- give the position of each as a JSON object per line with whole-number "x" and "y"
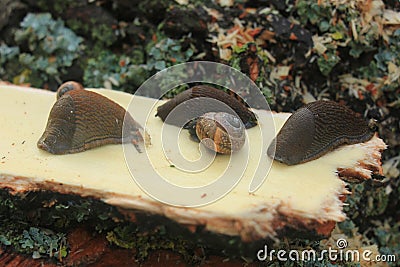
{"x": 222, "y": 132}
{"x": 81, "y": 120}
{"x": 316, "y": 129}
{"x": 194, "y": 109}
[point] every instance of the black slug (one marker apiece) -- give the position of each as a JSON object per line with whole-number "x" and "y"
{"x": 81, "y": 120}
{"x": 194, "y": 109}
{"x": 316, "y": 129}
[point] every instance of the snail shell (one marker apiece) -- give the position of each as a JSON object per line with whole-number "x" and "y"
{"x": 194, "y": 109}
{"x": 81, "y": 120}
{"x": 222, "y": 132}
{"x": 316, "y": 129}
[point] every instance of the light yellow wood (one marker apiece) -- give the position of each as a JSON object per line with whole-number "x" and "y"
{"x": 308, "y": 192}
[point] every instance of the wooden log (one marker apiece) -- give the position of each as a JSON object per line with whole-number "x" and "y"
{"x": 306, "y": 197}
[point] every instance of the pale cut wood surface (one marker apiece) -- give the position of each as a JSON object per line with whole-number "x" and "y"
{"x": 301, "y": 196}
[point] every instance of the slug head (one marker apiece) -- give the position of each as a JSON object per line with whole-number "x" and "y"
{"x": 58, "y": 135}
{"x": 252, "y": 121}
{"x": 316, "y": 129}
{"x": 68, "y": 86}
{"x": 165, "y": 109}
{"x": 294, "y": 139}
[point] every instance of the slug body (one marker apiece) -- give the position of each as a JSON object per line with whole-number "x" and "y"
{"x": 222, "y": 132}
{"x": 81, "y": 120}
{"x": 199, "y": 105}
{"x": 316, "y": 129}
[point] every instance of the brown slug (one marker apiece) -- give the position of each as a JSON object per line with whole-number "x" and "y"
{"x": 222, "y": 132}
{"x": 316, "y": 129}
{"x": 194, "y": 109}
{"x": 81, "y": 120}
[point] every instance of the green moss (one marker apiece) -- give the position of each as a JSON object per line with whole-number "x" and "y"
{"x": 43, "y": 242}
{"x": 120, "y": 72}
{"x": 8, "y": 57}
{"x": 123, "y": 236}
{"x": 145, "y": 240}
{"x": 47, "y": 49}
{"x": 103, "y": 33}
{"x": 37, "y": 223}
{"x": 17, "y": 232}
{"x": 99, "y": 35}
{"x": 379, "y": 66}
{"x": 238, "y": 61}
{"x": 314, "y": 13}
{"x": 366, "y": 201}
{"x": 57, "y": 6}
{"x": 338, "y": 22}
{"x": 164, "y": 52}
{"x": 327, "y": 62}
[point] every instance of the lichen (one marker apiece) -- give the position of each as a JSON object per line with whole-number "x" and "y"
{"x": 47, "y": 49}
{"x": 119, "y": 72}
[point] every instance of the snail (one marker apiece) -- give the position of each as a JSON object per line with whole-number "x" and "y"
{"x": 316, "y": 129}
{"x": 194, "y": 109}
{"x": 222, "y": 132}
{"x": 81, "y": 120}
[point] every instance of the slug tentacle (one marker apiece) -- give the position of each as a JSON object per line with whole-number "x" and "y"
{"x": 81, "y": 120}
{"x": 316, "y": 129}
{"x": 193, "y": 109}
